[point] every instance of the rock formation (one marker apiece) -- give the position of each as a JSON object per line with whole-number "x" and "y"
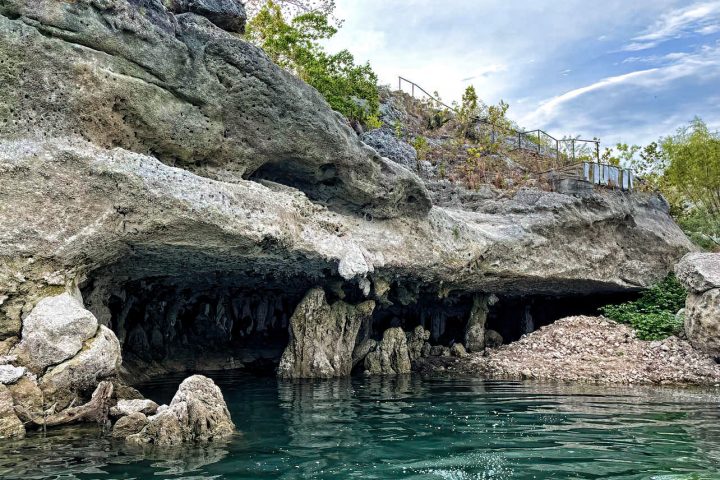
{"x": 700, "y": 274}
{"x": 475, "y": 330}
{"x": 10, "y": 424}
{"x": 194, "y": 192}
{"x": 390, "y": 356}
{"x": 196, "y": 414}
{"x": 322, "y": 337}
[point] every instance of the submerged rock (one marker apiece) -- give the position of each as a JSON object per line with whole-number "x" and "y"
{"x": 322, "y": 337}
{"x": 196, "y": 414}
{"x": 129, "y": 425}
{"x": 391, "y": 356}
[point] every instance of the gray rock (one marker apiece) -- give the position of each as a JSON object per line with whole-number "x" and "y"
{"x": 226, "y": 14}
{"x": 391, "y": 356}
{"x": 129, "y": 425}
{"x": 128, "y": 407}
{"x": 10, "y": 424}
{"x": 475, "y": 330}
{"x": 362, "y": 349}
{"x": 699, "y": 271}
{"x": 10, "y": 374}
{"x": 388, "y": 145}
{"x": 458, "y": 350}
{"x": 196, "y": 414}
{"x": 54, "y": 331}
{"x": 702, "y": 321}
{"x": 493, "y": 339}
{"x": 195, "y": 95}
{"x": 439, "y": 351}
{"x": 416, "y": 340}
{"x": 99, "y": 359}
{"x": 322, "y": 337}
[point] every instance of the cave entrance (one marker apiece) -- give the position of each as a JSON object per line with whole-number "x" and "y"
{"x": 169, "y": 324}
{"x": 514, "y": 316}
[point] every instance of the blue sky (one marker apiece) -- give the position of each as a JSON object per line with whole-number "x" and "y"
{"x": 627, "y": 71}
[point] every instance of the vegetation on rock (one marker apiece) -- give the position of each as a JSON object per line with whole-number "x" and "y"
{"x": 654, "y": 314}
{"x": 294, "y": 44}
{"x": 685, "y": 168}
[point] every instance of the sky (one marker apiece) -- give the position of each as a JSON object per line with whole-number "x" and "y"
{"x": 622, "y": 70}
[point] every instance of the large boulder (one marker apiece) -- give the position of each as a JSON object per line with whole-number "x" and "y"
{"x": 322, "y": 337}
{"x": 10, "y": 424}
{"x": 700, "y": 275}
{"x": 197, "y": 414}
{"x": 55, "y": 331}
{"x": 702, "y": 321}
{"x": 193, "y": 94}
{"x": 100, "y": 358}
{"x": 699, "y": 271}
{"x": 391, "y": 356}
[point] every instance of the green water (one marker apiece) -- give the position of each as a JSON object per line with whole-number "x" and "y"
{"x": 411, "y": 428}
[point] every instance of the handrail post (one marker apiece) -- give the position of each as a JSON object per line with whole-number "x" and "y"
{"x": 573, "y": 149}
{"x": 597, "y": 151}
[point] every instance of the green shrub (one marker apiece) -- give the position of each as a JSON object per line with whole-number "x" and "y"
{"x": 296, "y": 45}
{"x": 653, "y": 314}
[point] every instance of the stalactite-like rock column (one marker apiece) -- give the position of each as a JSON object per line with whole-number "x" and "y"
{"x": 322, "y": 337}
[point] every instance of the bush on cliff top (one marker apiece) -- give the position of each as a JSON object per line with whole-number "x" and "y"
{"x": 295, "y": 45}
{"x": 653, "y": 314}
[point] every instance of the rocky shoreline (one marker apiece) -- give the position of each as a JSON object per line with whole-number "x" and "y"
{"x": 592, "y": 350}
{"x": 171, "y": 200}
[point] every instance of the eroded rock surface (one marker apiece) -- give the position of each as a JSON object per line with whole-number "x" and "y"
{"x": 322, "y": 337}
{"x": 191, "y": 93}
{"x": 699, "y": 271}
{"x": 196, "y": 414}
{"x": 55, "y": 331}
{"x": 700, "y": 274}
{"x": 391, "y": 356}
{"x": 10, "y": 424}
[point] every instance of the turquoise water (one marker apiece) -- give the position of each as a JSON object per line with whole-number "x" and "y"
{"x": 411, "y": 428}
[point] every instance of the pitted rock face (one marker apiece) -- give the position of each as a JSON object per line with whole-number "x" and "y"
{"x": 322, "y": 337}
{"x": 699, "y": 271}
{"x": 196, "y": 414}
{"x": 191, "y": 93}
{"x": 226, "y": 14}
{"x": 391, "y": 356}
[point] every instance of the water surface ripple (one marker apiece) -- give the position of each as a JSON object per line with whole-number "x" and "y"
{"x": 410, "y": 428}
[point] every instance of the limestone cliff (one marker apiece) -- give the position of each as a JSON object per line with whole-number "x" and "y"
{"x": 194, "y": 190}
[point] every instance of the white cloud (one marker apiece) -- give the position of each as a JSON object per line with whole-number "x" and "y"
{"x": 704, "y": 63}
{"x": 701, "y": 18}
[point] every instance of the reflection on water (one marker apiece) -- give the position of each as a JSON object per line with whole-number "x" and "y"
{"x": 410, "y": 428}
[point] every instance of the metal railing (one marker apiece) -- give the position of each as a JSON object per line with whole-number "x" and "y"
{"x": 537, "y": 141}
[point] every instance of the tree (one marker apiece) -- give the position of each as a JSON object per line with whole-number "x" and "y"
{"x": 468, "y": 111}
{"x": 691, "y": 178}
{"x": 295, "y": 45}
{"x": 292, "y": 8}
